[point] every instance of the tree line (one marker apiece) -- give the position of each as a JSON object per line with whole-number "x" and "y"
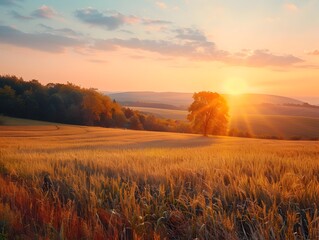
{"x": 71, "y": 104}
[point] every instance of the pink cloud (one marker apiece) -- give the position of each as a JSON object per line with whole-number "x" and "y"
{"x": 290, "y": 7}
{"x": 315, "y": 53}
{"x": 44, "y": 12}
{"x": 161, "y": 5}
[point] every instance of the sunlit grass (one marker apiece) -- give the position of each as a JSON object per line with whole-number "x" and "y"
{"x": 111, "y": 183}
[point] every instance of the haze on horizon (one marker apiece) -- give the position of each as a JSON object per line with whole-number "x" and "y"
{"x": 182, "y": 45}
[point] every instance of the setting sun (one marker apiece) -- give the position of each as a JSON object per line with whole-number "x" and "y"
{"x": 235, "y": 86}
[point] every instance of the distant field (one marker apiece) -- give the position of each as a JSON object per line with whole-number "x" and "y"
{"x": 164, "y": 113}
{"x": 73, "y": 182}
{"x": 288, "y": 127}
{"x": 265, "y": 124}
{"x": 10, "y": 121}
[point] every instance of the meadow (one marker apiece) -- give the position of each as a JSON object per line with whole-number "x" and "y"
{"x": 279, "y": 122}
{"x": 75, "y": 182}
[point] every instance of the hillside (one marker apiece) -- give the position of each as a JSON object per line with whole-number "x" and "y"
{"x": 262, "y": 120}
{"x": 10, "y": 121}
{"x": 259, "y": 115}
{"x": 248, "y": 99}
{"x": 183, "y": 100}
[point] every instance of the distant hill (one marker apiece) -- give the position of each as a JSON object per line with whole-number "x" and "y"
{"x": 179, "y": 100}
{"x": 269, "y": 121}
{"x": 249, "y": 99}
{"x": 175, "y": 100}
{"x": 151, "y": 105}
{"x": 259, "y": 115}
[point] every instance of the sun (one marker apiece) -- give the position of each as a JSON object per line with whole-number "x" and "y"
{"x": 235, "y": 86}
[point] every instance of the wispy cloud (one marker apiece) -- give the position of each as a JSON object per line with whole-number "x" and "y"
{"x": 195, "y": 50}
{"x": 44, "y": 12}
{"x": 161, "y": 5}
{"x": 108, "y": 21}
{"x": 146, "y": 21}
{"x": 60, "y": 31}
{"x": 113, "y": 20}
{"x": 262, "y": 58}
{"x": 19, "y": 16}
{"x": 192, "y": 44}
{"x": 190, "y": 34}
{"x": 126, "y": 31}
{"x": 97, "y": 61}
{"x": 314, "y": 52}
{"x": 38, "y": 41}
{"x": 188, "y": 43}
{"x": 290, "y": 7}
{"x": 9, "y": 2}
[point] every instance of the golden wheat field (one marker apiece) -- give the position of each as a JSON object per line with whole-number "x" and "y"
{"x": 74, "y": 182}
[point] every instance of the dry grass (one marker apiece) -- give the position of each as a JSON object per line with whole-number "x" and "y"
{"x": 68, "y": 182}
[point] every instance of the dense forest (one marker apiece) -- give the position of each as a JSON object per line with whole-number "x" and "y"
{"x": 71, "y": 104}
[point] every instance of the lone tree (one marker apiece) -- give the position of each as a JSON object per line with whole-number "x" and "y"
{"x": 208, "y": 113}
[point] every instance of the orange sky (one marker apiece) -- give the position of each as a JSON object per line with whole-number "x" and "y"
{"x": 181, "y": 45}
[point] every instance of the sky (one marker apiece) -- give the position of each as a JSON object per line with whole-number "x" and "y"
{"x": 225, "y": 46}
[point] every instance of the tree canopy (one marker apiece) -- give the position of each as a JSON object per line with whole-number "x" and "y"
{"x": 208, "y": 113}
{"x": 71, "y": 104}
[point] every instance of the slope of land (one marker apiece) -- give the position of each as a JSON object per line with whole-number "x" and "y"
{"x": 183, "y": 100}
{"x": 163, "y": 113}
{"x": 72, "y": 182}
{"x": 10, "y": 121}
{"x": 262, "y": 122}
{"x": 245, "y": 99}
{"x": 258, "y": 115}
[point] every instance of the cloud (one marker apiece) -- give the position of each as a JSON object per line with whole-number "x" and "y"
{"x": 314, "y": 53}
{"x": 262, "y": 58}
{"x": 199, "y": 49}
{"x": 192, "y": 43}
{"x": 61, "y": 31}
{"x": 96, "y": 18}
{"x": 161, "y": 5}
{"x": 190, "y": 34}
{"x": 97, "y": 61}
{"x": 192, "y": 50}
{"x": 9, "y": 2}
{"x": 20, "y": 16}
{"x": 290, "y": 7}
{"x": 38, "y": 41}
{"x": 155, "y": 22}
{"x": 126, "y": 31}
{"x": 44, "y": 12}
{"x": 113, "y": 20}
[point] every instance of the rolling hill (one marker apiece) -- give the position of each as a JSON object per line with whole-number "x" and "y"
{"x": 181, "y": 101}
{"x": 258, "y": 115}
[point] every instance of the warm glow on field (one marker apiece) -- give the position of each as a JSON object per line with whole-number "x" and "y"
{"x": 113, "y": 182}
